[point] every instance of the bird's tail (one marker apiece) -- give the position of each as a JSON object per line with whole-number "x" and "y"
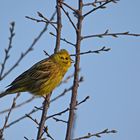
{"x": 3, "y": 94}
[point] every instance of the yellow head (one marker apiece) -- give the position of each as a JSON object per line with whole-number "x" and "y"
{"x": 63, "y": 58}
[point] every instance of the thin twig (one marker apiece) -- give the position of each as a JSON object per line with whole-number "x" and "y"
{"x": 115, "y": 35}
{"x": 34, "y": 120}
{"x": 26, "y": 138}
{"x": 74, "y": 10}
{"x": 63, "y": 39}
{"x": 19, "y": 105}
{"x": 67, "y": 14}
{"x": 39, "y": 20}
{"x": 12, "y": 34}
{"x": 97, "y": 2}
{"x": 67, "y": 109}
{"x": 49, "y": 21}
{"x": 98, "y": 135}
{"x": 99, "y": 7}
{"x": 60, "y": 120}
{"x": 8, "y": 116}
{"x": 103, "y": 49}
{"x": 29, "y": 49}
{"x": 48, "y": 135}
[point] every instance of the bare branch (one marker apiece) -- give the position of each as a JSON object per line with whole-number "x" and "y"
{"x": 34, "y": 120}
{"x": 8, "y": 116}
{"x": 63, "y": 39}
{"x": 97, "y": 2}
{"x": 26, "y": 138}
{"x": 46, "y": 53}
{"x": 67, "y": 109}
{"x": 99, "y": 7}
{"x": 59, "y": 120}
{"x": 57, "y": 46}
{"x": 103, "y": 49}
{"x": 76, "y": 73}
{"x": 39, "y": 20}
{"x": 29, "y": 49}
{"x": 115, "y": 35}
{"x": 12, "y": 34}
{"x": 83, "y": 101}
{"x": 98, "y": 135}
{"x": 67, "y": 14}
{"x": 43, "y": 116}
{"x": 59, "y": 25}
{"x": 74, "y": 10}
{"x": 48, "y": 135}
{"x": 19, "y": 105}
{"x": 51, "y": 23}
{"x": 35, "y": 110}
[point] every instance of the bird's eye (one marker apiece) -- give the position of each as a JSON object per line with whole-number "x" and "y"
{"x": 62, "y": 57}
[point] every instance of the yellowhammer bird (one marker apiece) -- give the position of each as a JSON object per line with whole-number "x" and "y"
{"x": 42, "y": 77}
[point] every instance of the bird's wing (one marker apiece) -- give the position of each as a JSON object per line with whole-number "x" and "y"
{"x": 39, "y": 71}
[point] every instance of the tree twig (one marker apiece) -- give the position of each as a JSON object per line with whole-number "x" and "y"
{"x": 19, "y": 105}
{"x": 74, "y": 10}
{"x": 67, "y": 109}
{"x": 98, "y": 135}
{"x": 99, "y": 7}
{"x": 60, "y": 120}
{"x": 115, "y": 35}
{"x": 8, "y": 116}
{"x": 63, "y": 39}
{"x": 39, "y": 20}
{"x": 103, "y": 49}
{"x": 12, "y": 34}
{"x": 29, "y": 49}
{"x": 67, "y": 14}
{"x": 50, "y": 22}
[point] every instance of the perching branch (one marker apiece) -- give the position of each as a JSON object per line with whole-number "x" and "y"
{"x": 76, "y": 73}
{"x": 47, "y": 98}
{"x": 35, "y": 109}
{"x": 43, "y": 116}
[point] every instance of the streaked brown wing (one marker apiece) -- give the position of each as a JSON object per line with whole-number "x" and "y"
{"x": 38, "y": 71}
